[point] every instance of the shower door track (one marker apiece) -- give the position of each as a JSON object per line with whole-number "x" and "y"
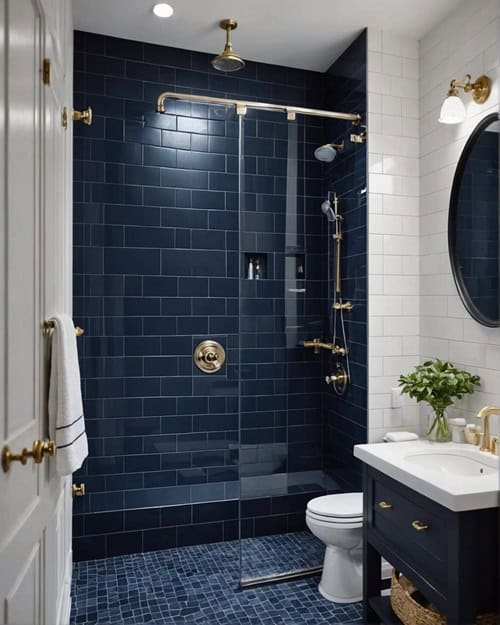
{"x": 243, "y": 105}
{"x": 264, "y": 580}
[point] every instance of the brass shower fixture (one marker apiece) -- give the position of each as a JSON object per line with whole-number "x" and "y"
{"x": 228, "y": 60}
{"x": 317, "y": 344}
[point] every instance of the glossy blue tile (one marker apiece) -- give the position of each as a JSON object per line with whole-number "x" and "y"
{"x": 161, "y": 157}
{"x": 163, "y": 538}
{"x": 103, "y": 522}
{"x": 132, "y": 261}
{"x": 156, "y": 479}
{"x": 142, "y": 519}
{"x": 123, "y": 543}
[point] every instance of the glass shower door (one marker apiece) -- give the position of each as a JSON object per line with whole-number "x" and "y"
{"x": 282, "y": 282}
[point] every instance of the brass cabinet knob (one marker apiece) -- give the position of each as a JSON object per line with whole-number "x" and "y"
{"x": 83, "y": 116}
{"x": 78, "y": 490}
{"x": 384, "y": 505}
{"x": 419, "y": 526}
{"x": 38, "y": 451}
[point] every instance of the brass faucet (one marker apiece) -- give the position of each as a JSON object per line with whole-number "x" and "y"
{"x": 484, "y": 414}
{"x": 317, "y": 344}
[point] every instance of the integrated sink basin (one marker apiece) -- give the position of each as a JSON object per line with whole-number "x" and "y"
{"x": 458, "y": 476}
{"x": 450, "y": 462}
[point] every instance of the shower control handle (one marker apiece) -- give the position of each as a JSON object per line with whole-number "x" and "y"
{"x": 339, "y": 378}
{"x": 317, "y": 344}
{"x": 209, "y": 356}
{"x": 343, "y": 306}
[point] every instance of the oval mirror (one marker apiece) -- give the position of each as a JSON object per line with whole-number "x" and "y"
{"x": 473, "y": 223}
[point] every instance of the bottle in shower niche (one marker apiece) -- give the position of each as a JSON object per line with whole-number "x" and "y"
{"x": 258, "y": 270}
{"x": 250, "y": 270}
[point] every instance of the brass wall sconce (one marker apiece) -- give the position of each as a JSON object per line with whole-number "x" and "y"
{"x": 453, "y": 109}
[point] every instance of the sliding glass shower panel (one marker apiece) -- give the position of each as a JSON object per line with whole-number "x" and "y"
{"x": 282, "y": 282}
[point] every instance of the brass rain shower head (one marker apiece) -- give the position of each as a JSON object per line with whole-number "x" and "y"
{"x": 228, "y": 60}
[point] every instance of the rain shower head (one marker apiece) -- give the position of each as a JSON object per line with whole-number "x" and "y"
{"x": 228, "y": 60}
{"x": 327, "y": 153}
{"x": 327, "y": 209}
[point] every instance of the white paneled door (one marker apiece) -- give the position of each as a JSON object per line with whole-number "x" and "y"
{"x": 35, "y": 283}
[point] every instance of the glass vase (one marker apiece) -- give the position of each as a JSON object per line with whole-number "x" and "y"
{"x": 439, "y": 429}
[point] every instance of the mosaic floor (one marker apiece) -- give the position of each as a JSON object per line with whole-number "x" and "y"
{"x": 195, "y": 586}
{"x": 283, "y": 553}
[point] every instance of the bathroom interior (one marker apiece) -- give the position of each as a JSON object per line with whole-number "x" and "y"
{"x": 285, "y": 244}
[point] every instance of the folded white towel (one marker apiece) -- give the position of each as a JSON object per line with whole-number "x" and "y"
{"x": 400, "y": 437}
{"x": 67, "y": 424}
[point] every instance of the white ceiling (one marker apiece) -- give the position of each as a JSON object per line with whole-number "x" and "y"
{"x": 308, "y": 34}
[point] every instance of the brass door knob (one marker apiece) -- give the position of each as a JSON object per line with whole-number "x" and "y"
{"x": 83, "y": 116}
{"x": 49, "y": 448}
{"x": 78, "y": 490}
{"x": 209, "y": 356}
{"x": 384, "y": 505}
{"x": 419, "y": 526}
{"x": 38, "y": 451}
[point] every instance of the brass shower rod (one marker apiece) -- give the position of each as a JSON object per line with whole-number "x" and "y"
{"x": 243, "y": 105}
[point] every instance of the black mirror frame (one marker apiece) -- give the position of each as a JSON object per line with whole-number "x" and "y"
{"x": 471, "y": 308}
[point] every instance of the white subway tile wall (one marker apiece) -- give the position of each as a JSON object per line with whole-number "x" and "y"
{"x": 393, "y": 170}
{"x": 468, "y": 41}
{"x": 414, "y": 309}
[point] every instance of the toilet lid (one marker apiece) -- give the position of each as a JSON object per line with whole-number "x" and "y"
{"x": 346, "y": 505}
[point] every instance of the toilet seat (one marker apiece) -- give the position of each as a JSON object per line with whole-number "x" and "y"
{"x": 333, "y": 522}
{"x": 343, "y": 508}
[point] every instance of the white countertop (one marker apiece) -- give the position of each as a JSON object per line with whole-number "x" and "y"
{"x": 453, "y": 490}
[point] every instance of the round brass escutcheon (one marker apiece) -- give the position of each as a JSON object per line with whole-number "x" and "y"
{"x": 209, "y": 356}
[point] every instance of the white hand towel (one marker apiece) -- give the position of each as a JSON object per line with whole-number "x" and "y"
{"x": 67, "y": 424}
{"x": 400, "y": 437}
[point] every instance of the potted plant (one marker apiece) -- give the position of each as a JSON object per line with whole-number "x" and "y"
{"x": 438, "y": 383}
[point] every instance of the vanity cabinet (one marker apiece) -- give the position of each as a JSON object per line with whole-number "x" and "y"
{"x": 451, "y": 557}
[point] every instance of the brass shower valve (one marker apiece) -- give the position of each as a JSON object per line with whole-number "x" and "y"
{"x": 317, "y": 344}
{"x": 343, "y": 306}
{"x": 338, "y": 378}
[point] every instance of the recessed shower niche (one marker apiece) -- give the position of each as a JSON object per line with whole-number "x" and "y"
{"x": 254, "y": 266}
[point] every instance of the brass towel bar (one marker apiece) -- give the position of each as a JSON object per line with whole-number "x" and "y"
{"x": 49, "y": 325}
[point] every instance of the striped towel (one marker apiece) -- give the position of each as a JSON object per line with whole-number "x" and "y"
{"x": 67, "y": 424}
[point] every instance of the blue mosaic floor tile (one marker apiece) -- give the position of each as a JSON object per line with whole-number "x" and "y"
{"x": 195, "y": 585}
{"x": 283, "y": 553}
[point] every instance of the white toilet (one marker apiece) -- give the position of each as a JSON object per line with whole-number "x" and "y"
{"x": 337, "y": 520}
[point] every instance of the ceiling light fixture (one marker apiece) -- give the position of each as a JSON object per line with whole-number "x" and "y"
{"x": 163, "y": 10}
{"x": 453, "y": 109}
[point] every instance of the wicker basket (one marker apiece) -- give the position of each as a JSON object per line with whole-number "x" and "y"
{"x": 410, "y": 612}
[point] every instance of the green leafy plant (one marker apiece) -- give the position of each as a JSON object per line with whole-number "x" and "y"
{"x": 439, "y": 383}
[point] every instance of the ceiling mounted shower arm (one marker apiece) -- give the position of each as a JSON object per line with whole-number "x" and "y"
{"x": 241, "y": 106}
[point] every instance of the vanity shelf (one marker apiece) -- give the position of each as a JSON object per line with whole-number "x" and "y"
{"x": 381, "y": 606}
{"x": 450, "y": 556}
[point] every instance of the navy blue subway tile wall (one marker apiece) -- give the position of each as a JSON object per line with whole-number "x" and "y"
{"x": 346, "y": 416}
{"x": 160, "y": 264}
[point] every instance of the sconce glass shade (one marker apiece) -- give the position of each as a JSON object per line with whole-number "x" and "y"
{"x": 452, "y": 111}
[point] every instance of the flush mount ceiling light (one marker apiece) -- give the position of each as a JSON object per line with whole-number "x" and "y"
{"x": 162, "y": 10}
{"x": 453, "y": 109}
{"x": 228, "y": 60}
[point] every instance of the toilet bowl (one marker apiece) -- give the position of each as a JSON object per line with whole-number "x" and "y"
{"x": 337, "y": 520}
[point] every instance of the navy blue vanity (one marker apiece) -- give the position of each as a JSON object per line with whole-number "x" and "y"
{"x": 451, "y": 557}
